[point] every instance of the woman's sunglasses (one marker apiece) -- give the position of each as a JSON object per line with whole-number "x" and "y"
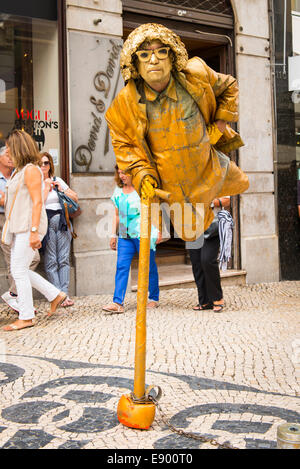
{"x": 45, "y": 163}
{"x": 145, "y": 55}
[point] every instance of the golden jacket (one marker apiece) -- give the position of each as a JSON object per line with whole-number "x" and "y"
{"x": 217, "y": 98}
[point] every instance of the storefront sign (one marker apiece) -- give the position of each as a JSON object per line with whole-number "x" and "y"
{"x": 94, "y": 82}
{"x": 35, "y": 122}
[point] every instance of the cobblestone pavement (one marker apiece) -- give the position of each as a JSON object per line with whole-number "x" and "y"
{"x": 231, "y": 376}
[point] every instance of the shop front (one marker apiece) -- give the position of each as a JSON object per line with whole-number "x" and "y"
{"x": 29, "y": 71}
{"x": 31, "y": 78}
{"x": 287, "y": 165}
{"x": 59, "y": 73}
{"x": 233, "y": 38}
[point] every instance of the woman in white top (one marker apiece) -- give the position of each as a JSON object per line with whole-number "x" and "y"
{"x": 27, "y": 219}
{"x": 57, "y": 242}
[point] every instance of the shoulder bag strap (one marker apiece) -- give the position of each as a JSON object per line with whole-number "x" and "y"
{"x": 13, "y": 202}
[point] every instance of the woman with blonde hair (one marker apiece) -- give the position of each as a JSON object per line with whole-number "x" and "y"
{"x": 28, "y": 225}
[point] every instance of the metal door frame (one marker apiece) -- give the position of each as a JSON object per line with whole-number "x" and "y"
{"x": 63, "y": 91}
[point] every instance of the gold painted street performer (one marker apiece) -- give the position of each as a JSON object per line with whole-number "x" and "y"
{"x": 169, "y": 126}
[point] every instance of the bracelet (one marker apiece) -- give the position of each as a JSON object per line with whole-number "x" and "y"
{"x": 113, "y": 236}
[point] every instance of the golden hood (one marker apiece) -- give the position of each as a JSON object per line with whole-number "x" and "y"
{"x": 151, "y": 32}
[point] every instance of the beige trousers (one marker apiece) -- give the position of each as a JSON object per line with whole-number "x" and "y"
{"x": 7, "y": 253}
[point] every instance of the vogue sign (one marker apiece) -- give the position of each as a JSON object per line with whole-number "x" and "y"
{"x": 35, "y": 121}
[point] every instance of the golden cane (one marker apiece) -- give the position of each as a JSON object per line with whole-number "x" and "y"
{"x": 142, "y": 294}
{"x": 135, "y": 411}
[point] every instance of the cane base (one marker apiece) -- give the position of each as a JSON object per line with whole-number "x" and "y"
{"x": 135, "y": 415}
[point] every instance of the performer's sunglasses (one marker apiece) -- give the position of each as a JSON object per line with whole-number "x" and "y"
{"x": 145, "y": 55}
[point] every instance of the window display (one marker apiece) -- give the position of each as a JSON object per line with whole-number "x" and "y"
{"x": 29, "y": 97}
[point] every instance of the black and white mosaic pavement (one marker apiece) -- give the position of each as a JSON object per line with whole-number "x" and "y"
{"x": 232, "y": 376}
{"x": 77, "y": 409}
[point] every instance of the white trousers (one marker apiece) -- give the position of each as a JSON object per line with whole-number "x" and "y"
{"x": 21, "y": 258}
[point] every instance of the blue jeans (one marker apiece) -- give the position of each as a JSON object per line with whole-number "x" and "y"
{"x": 126, "y": 250}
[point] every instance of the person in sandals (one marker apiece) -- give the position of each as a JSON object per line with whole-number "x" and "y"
{"x": 126, "y": 228}
{"x": 57, "y": 242}
{"x": 27, "y": 224}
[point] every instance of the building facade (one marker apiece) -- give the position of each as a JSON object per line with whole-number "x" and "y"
{"x": 286, "y": 73}
{"x": 59, "y": 72}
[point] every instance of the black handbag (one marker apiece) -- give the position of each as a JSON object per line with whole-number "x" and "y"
{"x": 70, "y": 208}
{"x": 212, "y": 230}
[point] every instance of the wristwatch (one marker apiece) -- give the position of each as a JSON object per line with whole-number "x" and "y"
{"x": 34, "y": 229}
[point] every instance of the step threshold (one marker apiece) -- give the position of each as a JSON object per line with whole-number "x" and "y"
{"x": 181, "y": 276}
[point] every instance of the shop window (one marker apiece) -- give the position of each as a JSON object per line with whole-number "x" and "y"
{"x": 29, "y": 80}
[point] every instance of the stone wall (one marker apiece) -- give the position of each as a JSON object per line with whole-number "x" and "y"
{"x": 259, "y": 239}
{"x": 93, "y": 260}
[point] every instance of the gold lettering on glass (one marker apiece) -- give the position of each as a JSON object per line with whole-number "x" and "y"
{"x": 102, "y": 82}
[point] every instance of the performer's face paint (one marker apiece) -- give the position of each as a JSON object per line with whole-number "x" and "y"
{"x": 156, "y": 71}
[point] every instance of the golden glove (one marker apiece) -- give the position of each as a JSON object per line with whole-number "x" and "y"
{"x": 147, "y": 187}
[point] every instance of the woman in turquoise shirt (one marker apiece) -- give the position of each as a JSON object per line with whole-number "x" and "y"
{"x": 127, "y": 224}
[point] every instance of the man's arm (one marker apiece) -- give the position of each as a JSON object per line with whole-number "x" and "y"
{"x": 33, "y": 181}
{"x": 221, "y": 97}
{"x": 2, "y": 198}
{"x": 221, "y": 125}
{"x": 226, "y": 91}
{"x": 223, "y": 202}
{"x": 115, "y": 230}
{"x": 131, "y": 153}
